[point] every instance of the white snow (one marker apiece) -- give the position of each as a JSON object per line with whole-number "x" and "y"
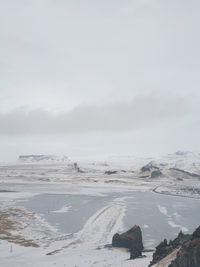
{"x": 171, "y": 222}
{"x": 174, "y": 225}
{"x": 83, "y": 257}
{"x": 62, "y": 210}
{"x": 162, "y": 210}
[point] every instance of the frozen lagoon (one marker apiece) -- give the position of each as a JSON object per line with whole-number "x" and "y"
{"x": 68, "y": 208}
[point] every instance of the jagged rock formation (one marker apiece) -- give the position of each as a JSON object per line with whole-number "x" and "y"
{"x": 165, "y": 248}
{"x": 189, "y": 253}
{"x": 131, "y": 239}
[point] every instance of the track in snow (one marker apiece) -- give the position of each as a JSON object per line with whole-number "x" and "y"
{"x": 99, "y": 228}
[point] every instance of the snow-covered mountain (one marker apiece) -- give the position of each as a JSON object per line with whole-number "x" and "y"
{"x": 184, "y": 160}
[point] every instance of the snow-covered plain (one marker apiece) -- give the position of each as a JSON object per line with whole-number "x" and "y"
{"x": 43, "y": 245}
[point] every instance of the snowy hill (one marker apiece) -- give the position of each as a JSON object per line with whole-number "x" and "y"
{"x": 42, "y": 159}
{"x": 188, "y": 161}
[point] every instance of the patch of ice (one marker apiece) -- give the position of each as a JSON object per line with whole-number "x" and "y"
{"x": 174, "y": 225}
{"x": 16, "y": 195}
{"x": 162, "y": 210}
{"x": 63, "y": 209}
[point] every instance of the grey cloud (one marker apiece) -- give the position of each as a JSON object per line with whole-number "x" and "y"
{"x": 142, "y": 111}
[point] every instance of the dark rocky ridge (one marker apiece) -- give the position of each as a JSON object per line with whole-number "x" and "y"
{"x": 132, "y": 239}
{"x": 189, "y": 253}
{"x": 188, "y": 250}
{"x": 165, "y": 248}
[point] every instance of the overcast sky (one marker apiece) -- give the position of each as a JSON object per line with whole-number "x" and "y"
{"x": 99, "y": 77}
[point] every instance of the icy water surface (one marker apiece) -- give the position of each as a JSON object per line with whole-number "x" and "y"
{"x": 69, "y": 207}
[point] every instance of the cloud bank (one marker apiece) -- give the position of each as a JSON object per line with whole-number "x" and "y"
{"x": 142, "y": 111}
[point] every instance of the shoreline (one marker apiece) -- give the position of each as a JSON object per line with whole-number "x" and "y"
{"x": 173, "y": 195}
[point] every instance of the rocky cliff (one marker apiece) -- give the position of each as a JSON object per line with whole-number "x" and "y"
{"x": 131, "y": 239}
{"x": 189, "y": 253}
{"x": 165, "y": 248}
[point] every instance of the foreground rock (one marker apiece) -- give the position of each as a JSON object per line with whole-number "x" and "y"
{"x": 132, "y": 239}
{"x": 165, "y": 248}
{"x": 186, "y": 250}
{"x": 189, "y": 253}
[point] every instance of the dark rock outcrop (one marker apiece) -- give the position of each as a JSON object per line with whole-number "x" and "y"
{"x": 132, "y": 239}
{"x": 110, "y": 172}
{"x": 76, "y": 167}
{"x": 189, "y": 253}
{"x": 156, "y": 174}
{"x": 149, "y": 167}
{"x": 196, "y": 233}
{"x": 145, "y": 169}
{"x": 165, "y": 248}
{"x": 150, "y": 171}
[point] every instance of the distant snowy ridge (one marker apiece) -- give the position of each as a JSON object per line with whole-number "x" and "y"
{"x": 42, "y": 159}
{"x": 184, "y": 160}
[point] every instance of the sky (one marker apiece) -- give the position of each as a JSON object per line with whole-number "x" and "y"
{"x": 99, "y": 77}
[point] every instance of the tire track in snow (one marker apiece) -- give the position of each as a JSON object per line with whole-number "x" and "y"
{"x": 100, "y": 228}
